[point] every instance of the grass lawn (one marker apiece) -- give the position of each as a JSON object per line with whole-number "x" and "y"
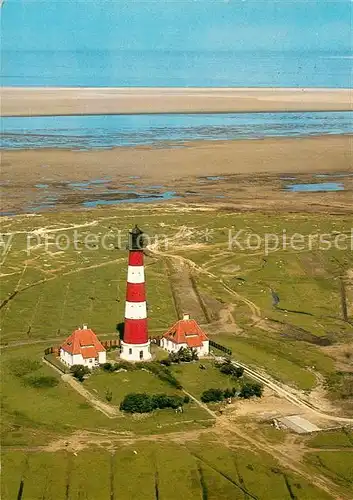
{"x": 124, "y": 382}
{"x": 37, "y": 414}
{"x": 196, "y": 381}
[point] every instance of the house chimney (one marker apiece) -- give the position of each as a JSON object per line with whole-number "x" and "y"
{"x": 186, "y": 316}
{"x": 84, "y": 327}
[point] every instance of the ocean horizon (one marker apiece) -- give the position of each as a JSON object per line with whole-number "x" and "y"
{"x": 177, "y": 68}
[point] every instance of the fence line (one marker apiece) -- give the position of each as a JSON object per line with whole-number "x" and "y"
{"x": 221, "y": 347}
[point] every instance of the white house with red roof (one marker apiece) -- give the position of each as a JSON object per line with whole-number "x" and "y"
{"x": 82, "y": 348}
{"x": 186, "y": 333}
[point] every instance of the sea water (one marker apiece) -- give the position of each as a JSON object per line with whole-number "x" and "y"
{"x": 173, "y": 130}
{"x": 176, "y": 68}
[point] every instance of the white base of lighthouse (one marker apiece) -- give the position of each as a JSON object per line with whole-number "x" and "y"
{"x": 135, "y": 352}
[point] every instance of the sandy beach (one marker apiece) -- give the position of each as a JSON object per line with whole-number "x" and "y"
{"x": 35, "y": 101}
{"x": 251, "y": 173}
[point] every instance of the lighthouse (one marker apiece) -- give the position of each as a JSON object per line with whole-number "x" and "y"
{"x": 135, "y": 345}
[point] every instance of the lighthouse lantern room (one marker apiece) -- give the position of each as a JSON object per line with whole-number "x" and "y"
{"x": 135, "y": 345}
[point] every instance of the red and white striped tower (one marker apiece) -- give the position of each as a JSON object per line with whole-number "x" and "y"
{"x": 135, "y": 346}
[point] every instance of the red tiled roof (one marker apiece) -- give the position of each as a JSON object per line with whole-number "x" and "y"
{"x": 83, "y": 342}
{"x": 186, "y": 331}
{"x": 89, "y": 352}
{"x": 194, "y": 341}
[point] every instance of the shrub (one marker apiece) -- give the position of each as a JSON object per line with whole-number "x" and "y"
{"x": 165, "y": 362}
{"x": 184, "y": 355}
{"x": 144, "y": 403}
{"x": 125, "y": 365}
{"x": 239, "y": 371}
{"x": 186, "y": 399}
{"x": 175, "y": 401}
{"x": 23, "y": 366}
{"x": 79, "y": 371}
{"x": 160, "y": 401}
{"x": 137, "y": 403}
{"x": 164, "y": 401}
{"x": 163, "y": 373}
{"x": 228, "y": 368}
{"x": 174, "y": 357}
{"x": 250, "y": 389}
{"x": 42, "y": 382}
{"x": 108, "y": 367}
{"x": 227, "y": 393}
{"x": 212, "y": 395}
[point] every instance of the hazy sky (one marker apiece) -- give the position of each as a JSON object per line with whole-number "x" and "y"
{"x": 177, "y": 25}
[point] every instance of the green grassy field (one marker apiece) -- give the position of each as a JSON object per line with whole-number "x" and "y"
{"x": 47, "y": 292}
{"x": 332, "y": 439}
{"x": 337, "y": 465}
{"x": 122, "y": 383}
{"x": 28, "y": 411}
{"x": 201, "y": 469}
{"x": 196, "y": 381}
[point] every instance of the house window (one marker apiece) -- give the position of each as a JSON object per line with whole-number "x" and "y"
{"x": 91, "y": 360}
{"x": 141, "y": 354}
{"x": 130, "y": 351}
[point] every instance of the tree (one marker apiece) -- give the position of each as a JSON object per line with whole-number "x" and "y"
{"x": 194, "y": 355}
{"x": 228, "y": 393}
{"x": 246, "y": 391}
{"x": 228, "y": 368}
{"x": 174, "y": 357}
{"x": 144, "y": 403}
{"x": 164, "y": 401}
{"x": 165, "y": 362}
{"x": 175, "y": 401}
{"x": 185, "y": 355}
{"x": 160, "y": 401}
{"x": 79, "y": 371}
{"x": 239, "y": 371}
{"x": 257, "y": 389}
{"x": 212, "y": 395}
{"x": 137, "y": 403}
{"x": 250, "y": 389}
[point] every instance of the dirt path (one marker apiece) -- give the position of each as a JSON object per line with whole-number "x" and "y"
{"x": 287, "y": 393}
{"x": 225, "y": 424}
{"x": 202, "y": 405}
{"x": 185, "y": 262}
{"x": 285, "y": 458}
{"x": 108, "y": 410}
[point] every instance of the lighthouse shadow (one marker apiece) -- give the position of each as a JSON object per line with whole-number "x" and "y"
{"x": 120, "y": 329}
